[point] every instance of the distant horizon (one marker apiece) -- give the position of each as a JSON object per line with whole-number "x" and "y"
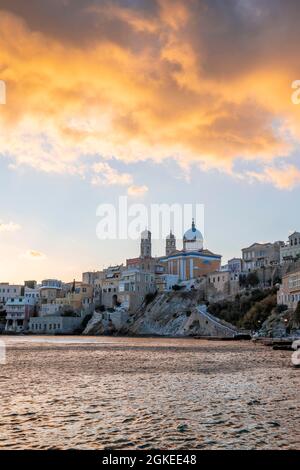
{"x": 78, "y": 278}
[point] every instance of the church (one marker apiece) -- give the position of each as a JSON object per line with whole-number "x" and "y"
{"x": 193, "y": 260}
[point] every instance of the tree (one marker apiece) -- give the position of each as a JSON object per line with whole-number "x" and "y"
{"x": 259, "y": 312}
{"x": 281, "y": 308}
{"x": 297, "y": 314}
{"x": 250, "y": 308}
{"x": 242, "y": 280}
{"x": 252, "y": 279}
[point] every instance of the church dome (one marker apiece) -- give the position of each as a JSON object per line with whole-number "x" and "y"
{"x": 193, "y": 234}
{"x": 193, "y": 239}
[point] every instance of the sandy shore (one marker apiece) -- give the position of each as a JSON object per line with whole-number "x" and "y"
{"x": 118, "y": 393}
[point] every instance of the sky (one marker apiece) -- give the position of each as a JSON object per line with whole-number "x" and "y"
{"x": 162, "y": 101}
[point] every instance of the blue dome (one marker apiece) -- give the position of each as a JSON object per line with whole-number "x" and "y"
{"x": 193, "y": 234}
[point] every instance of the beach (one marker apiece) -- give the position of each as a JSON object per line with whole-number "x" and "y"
{"x": 146, "y": 393}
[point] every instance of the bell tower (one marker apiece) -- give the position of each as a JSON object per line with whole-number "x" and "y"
{"x": 146, "y": 244}
{"x": 170, "y": 244}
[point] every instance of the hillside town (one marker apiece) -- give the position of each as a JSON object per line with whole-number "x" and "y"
{"x": 117, "y": 293}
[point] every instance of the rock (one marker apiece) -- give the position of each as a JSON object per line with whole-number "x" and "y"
{"x": 275, "y": 424}
{"x": 253, "y": 402}
{"x": 174, "y": 314}
{"x": 275, "y": 327}
{"x": 182, "y": 427}
{"x": 296, "y": 358}
{"x": 296, "y": 345}
{"x": 167, "y": 315}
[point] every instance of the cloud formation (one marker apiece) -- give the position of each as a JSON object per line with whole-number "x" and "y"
{"x": 107, "y": 176}
{"x": 283, "y": 177}
{"x": 33, "y": 255}
{"x": 137, "y": 190}
{"x": 199, "y": 81}
{"x": 9, "y": 227}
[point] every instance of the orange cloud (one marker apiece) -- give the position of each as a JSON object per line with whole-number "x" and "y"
{"x": 171, "y": 80}
{"x": 137, "y": 190}
{"x": 33, "y": 255}
{"x": 284, "y": 177}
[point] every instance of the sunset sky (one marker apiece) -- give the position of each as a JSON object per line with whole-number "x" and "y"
{"x": 165, "y": 101}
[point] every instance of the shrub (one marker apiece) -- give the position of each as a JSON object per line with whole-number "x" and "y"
{"x": 86, "y": 320}
{"x": 259, "y": 312}
{"x": 281, "y": 308}
{"x": 100, "y": 309}
{"x": 252, "y": 279}
{"x": 176, "y": 287}
{"x": 239, "y": 311}
{"x": 297, "y": 314}
{"x": 149, "y": 297}
{"x": 69, "y": 313}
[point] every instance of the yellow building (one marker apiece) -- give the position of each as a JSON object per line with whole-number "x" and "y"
{"x": 193, "y": 261}
{"x": 80, "y": 297}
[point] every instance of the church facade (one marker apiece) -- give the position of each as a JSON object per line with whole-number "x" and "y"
{"x": 193, "y": 261}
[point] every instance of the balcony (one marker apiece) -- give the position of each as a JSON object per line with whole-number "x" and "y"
{"x": 15, "y": 315}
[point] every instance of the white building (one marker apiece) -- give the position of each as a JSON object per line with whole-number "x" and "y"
{"x": 235, "y": 265}
{"x": 91, "y": 277}
{"x": 291, "y": 250}
{"x": 289, "y": 292}
{"x": 54, "y": 324}
{"x": 50, "y": 309}
{"x": 52, "y": 283}
{"x": 9, "y": 291}
{"x": 110, "y": 285}
{"x": 260, "y": 255}
{"x": 165, "y": 282}
{"x": 134, "y": 285}
{"x": 33, "y": 294}
{"x": 18, "y": 312}
{"x": 224, "y": 282}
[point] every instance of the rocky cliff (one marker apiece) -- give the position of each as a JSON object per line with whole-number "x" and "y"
{"x": 170, "y": 314}
{"x": 281, "y": 325}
